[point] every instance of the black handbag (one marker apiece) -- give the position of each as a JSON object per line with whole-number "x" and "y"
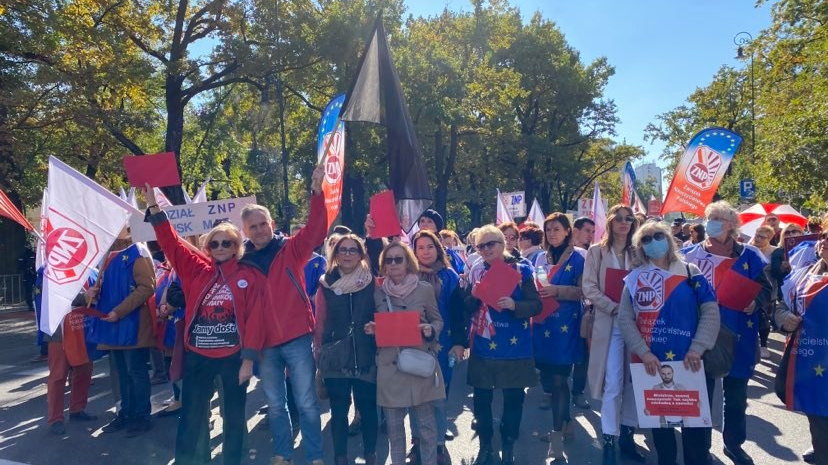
{"x": 718, "y": 360}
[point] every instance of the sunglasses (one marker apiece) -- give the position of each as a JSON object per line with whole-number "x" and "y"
{"x": 213, "y": 245}
{"x": 488, "y": 245}
{"x": 628, "y": 218}
{"x": 659, "y": 236}
{"x": 348, "y": 251}
{"x": 392, "y": 260}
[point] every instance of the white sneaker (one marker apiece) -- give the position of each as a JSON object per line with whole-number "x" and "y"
{"x": 765, "y": 352}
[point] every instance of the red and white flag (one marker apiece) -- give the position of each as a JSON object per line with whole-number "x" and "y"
{"x": 10, "y": 211}
{"x": 163, "y": 201}
{"x": 83, "y": 221}
{"x": 503, "y": 215}
{"x": 536, "y": 214}
{"x": 598, "y": 214}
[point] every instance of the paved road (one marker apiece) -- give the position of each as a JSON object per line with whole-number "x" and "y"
{"x": 776, "y": 436}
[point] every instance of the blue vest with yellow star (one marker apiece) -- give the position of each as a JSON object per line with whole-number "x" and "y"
{"x": 118, "y": 283}
{"x": 557, "y": 339}
{"x": 750, "y": 263}
{"x": 512, "y": 337}
{"x": 807, "y": 375}
{"x": 667, "y": 309}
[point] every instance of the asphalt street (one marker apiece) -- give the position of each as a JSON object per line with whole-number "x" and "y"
{"x": 775, "y": 436}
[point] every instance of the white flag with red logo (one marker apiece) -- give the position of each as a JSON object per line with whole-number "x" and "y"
{"x": 83, "y": 221}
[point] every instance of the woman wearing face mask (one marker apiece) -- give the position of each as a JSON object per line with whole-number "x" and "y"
{"x": 435, "y": 270}
{"x": 223, "y": 332}
{"x": 343, "y": 352}
{"x": 501, "y": 348}
{"x": 710, "y": 256}
{"x": 688, "y": 317}
{"x": 556, "y": 336}
{"x": 608, "y": 372}
{"x": 805, "y": 313}
{"x": 397, "y": 391}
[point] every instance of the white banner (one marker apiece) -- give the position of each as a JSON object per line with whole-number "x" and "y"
{"x": 194, "y": 219}
{"x": 83, "y": 221}
{"x": 515, "y": 203}
{"x": 585, "y": 207}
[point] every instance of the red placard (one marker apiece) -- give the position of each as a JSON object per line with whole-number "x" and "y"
{"x": 550, "y": 304}
{"x": 384, "y": 213}
{"x": 398, "y": 329}
{"x": 736, "y": 291}
{"x": 500, "y": 281}
{"x": 159, "y": 170}
{"x": 670, "y": 403}
{"x": 614, "y": 283}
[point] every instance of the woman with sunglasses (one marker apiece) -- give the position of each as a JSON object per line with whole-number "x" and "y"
{"x": 512, "y": 236}
{"x": 805, "y": 314}
{"x": 608, "y": 372}
{"x": 501, "y": 348}
{"x": 686, "y": 317}
{"x": 397, "y": 391}
{"x": 223, "y": 332}
{"x": 436, "y": 270}
{"x": 556, "y": 331}
{"x": 719, "y": 249}
{"x": 344, "y": 353}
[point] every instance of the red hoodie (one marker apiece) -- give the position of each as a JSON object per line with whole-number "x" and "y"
{"x": 289, "y": 306}
{"x": 199, "y": 274}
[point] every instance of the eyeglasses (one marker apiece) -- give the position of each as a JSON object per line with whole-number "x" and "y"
{"x": 225, "y": 244}
{"x": 761, "y": 238}
{"x": 348, "y": 251}
{"x": 391, "y": 260}
{"x": 488, "y": 245}
{"x": 659, "y": 236}
{"x": 628, "y": 218}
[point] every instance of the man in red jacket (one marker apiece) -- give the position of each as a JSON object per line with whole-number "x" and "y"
{"x": 283, "y": 261}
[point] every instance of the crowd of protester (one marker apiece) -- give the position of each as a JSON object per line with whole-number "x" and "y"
{"x": 212, "y": 312}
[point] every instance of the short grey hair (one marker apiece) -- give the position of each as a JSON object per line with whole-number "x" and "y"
{"x": 724, "y": 210}
{"x": 648, "y": 229}
{"x": 253, "y": 208}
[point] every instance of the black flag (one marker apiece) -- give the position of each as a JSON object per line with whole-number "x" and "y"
{"x": 376, "y": 97}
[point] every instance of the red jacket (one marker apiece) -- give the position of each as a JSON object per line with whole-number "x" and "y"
{"x": 290, "y": 307}
{"x": 198, "y": 273}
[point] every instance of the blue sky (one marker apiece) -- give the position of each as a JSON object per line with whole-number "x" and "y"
{"x": 662, "y": 50}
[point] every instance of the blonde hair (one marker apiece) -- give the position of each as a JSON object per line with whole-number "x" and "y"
{"x": 229, "y": 229}
{"x": 648, "y": 229}
{"x": 766, "y": 230}
{"x": 724, "y": 210}
{"x": 411, "y": 264}
{"x": 787, "y": 230}
{"x": 493, "y": 230}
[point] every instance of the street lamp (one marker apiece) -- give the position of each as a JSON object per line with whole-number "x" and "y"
{"x": 741, "y": 40}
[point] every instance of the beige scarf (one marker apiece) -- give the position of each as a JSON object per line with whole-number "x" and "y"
{"x": 401, "y": 290}
{"x": 431, "y": 276}
{"x": 354, "y": 281}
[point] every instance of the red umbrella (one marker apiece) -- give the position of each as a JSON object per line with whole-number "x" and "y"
{"x": 754, "y": 216}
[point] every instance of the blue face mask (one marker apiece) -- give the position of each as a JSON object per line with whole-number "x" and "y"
{"x": 714, "y": 228}
{"x": 657, "y": 248}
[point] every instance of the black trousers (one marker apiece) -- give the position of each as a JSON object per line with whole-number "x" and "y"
{"x": 512, "y": 414}
{"x": 192, "y": 444}
{"x": 734, "y": 432}
{"x": 554, "y": 380}
{"x": 579, "y": 373}
{"x": 819, "y": 433}
{"x": 365, "y": 398}
{"x": 695, "y": 442}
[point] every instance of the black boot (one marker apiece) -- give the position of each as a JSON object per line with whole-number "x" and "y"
{"x": 486, "y": 456}
{"x": 627, "y": 445}
{"x": 609, "y": 457}
{"x": 507, "y": 455}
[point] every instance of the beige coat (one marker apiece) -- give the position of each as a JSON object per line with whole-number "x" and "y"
{"x": 598, "y": 259}
{"x": 397, "y": 389}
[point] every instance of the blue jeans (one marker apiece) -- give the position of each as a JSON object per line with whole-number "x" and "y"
{"x": 134, "y": 382}
{"x": 297, "y": 357}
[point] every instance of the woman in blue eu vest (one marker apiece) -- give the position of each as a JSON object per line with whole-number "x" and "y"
{"x": 125, "y": 283}
{"x": 668, "y": 312}
{"x": 436, "y": 270}
{"x": 556, "y": 331}
{"x": 715, "y": 256}
{"x": 805, "y": 294}
{"x": 501, "y": 348}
